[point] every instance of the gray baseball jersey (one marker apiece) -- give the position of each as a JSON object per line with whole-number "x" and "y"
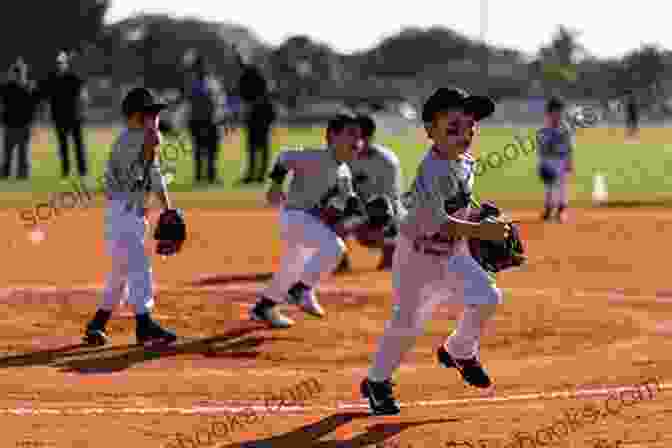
{"x": 127, "y": 177}
{"x": 377, "y": 173}
{"x": 316, "y": 173}
{"x": 441, "y": 188}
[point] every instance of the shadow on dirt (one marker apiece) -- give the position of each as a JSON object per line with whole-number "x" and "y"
{"x": 84, "y": 356}
{"x": 309, "y": 435}
{"x": 220, "y": 280}
{"x": 244, "y": 348}
{"x": 228, "y": 279}
{"x": 635, "y": 204}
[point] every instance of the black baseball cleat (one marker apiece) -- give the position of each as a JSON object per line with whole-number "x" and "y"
{"x": 380, "y": 396}
{"x": 151, "y": 333}
{"x": 471, "y": 369}
{"x": 96, "y": 336}
{"x": 547, "y": 214}
{"x": 345, "y": 266}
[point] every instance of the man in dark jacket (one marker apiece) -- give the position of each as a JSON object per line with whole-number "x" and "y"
{"x": 203, "y": 94}
{"x": 19, "y": 105}
{"x": 66, "y": 94}
{"x": 259, "y": 117}
{"x": 631, "y": 114}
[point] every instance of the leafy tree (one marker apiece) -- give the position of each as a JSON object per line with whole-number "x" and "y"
{"x": 645, "y": 66}
{"x": 558, "y": 60}
{"x": 38, "y": 29}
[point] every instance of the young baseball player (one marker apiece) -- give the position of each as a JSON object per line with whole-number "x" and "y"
{"x": 313, "y": 248}
{"x": 132, "y": 172}
{"x": 432, "y": 262}
{"x": 376, "y": 171}
{"x": 555, "y": 144}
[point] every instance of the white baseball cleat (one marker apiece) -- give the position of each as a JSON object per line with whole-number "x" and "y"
{"x": 306, "y": 300}
{"x": 310, "y": 305}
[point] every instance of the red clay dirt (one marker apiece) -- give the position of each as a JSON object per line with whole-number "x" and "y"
{"x": 593, "y": 309}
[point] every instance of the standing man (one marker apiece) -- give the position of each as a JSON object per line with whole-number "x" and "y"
{"x": 376, "y": 171}
{"x": 204, "y": 94}
{"x": 259, "y": 117}
{"x": 631, "y": 115}
{"x": 67, "y": 97}
{"x": 19, "y": 105}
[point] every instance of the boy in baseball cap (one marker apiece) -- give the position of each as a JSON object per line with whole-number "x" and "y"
{"x": 555, "y": 147}
{"x": 432, "y": 262}
{"x": 132, "y": 172}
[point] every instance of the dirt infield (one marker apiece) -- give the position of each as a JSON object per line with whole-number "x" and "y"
{"x": 592, "y": 311}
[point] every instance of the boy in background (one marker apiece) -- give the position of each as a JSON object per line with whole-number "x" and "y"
{"x": 555, "y": 143}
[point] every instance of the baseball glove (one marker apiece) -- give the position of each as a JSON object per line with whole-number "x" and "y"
{"x": 379, "y": 225}
{"x": 341, "y": 213}
{"x": 379, "y": 211}
{"x": 171, "y": 232}
{"x": 497, "y": 256}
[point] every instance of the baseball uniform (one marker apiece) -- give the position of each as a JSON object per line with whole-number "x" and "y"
{"x": 128, "y": 179}
{"x": 555, "y": 149}
{"x": 377, "y": 171}
{"x": 428, "y": 270}
{"x": 313, "y": 249}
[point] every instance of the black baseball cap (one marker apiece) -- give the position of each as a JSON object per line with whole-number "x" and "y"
{"x": 449, "y": 98}
{"x": 341, "y": 121}
{"x": 142, "y": 100}
{"x": 555, "y": 104}
{"x": 367, "y": 124}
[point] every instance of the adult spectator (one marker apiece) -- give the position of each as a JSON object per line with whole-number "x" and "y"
{"x": 66, "y": 94}
{"x": 259, "y": 117}
{"x": 203, "y": 94}
{"x": 19, "y": 100}
{"x": 631, "y": 114}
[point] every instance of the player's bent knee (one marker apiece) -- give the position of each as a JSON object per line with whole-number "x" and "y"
{"x": 486, "y": 311}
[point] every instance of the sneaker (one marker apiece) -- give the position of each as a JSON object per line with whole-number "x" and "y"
{"x": 96, "y": 336}
{"x": 380, "y": 396}
{"x": 385, "y": 263}
{"x": 264, "y": 312}
{"x": 562, "y": 216}
{"x": 95, "y": 330}
{"x": 307, "y": 301}
{"x": 547, "y": 214}
{"x": 344, "y": 266}
{"x": 153, "y": 333}
{"x": 471, "y": 369}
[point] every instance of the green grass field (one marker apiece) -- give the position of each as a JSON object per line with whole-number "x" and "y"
{"x": 635, "y": 172}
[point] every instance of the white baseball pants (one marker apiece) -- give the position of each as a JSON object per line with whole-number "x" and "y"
{"x": 131, "y": 268}
{"x": 313, "y": 251}
{"x": 422, "y": 281}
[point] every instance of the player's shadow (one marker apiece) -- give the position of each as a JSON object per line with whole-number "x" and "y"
{"x": 229, "y": 279}
{"x": 309, "y": 435}
{"x": 79, "y": 351}
{"x": 245, "y": 348}
{"x": 635, "y": 204}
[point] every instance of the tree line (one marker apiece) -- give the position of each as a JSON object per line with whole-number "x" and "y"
{"x": 152, "y": 48}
